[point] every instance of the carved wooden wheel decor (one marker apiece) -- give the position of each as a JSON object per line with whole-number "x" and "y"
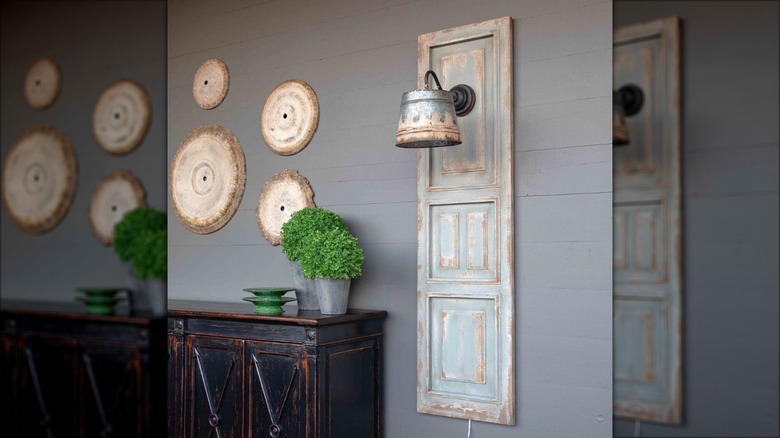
{"x": 207, "y": 179}
{"x": 290, "y": 117}
{"x": 43, "y": 83}
{"x": 211, "y": 83}
{"x": 116, "y": 194}
{"x": 284, "y": 194}
{"x": 40, "y": 175}
{"x": 121, "y": 117}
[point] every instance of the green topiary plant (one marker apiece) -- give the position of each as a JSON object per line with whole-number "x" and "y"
{"x": 332, "y": 254}
{"x": 141, "y": 238}
{"x": 302, "y": 225}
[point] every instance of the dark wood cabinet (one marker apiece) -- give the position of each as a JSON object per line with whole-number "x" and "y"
{"x": 236, "y": 374}
{"x": 70, "y": 374}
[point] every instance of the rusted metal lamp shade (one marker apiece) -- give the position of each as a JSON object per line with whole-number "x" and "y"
{"x": 626, "y": 102}
{"x": 429, "y": 118}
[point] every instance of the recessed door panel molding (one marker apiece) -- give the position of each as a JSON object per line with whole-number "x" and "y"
{"x": 472, "y": 223}
{"x": 465, "y": 296}
{"x": 647, "y": 216}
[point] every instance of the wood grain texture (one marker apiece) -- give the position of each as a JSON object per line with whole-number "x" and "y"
{"x": 40, "y": 178}
{"x": 211, "y": 83}
{"x": 284, "y": 194}
{"x": 43, "y": 83}
{"x": 114, "y": 195}
{"x": 290, "y": 117}
{"x": 207, "y": 178}
{"x": 121, "y": 117}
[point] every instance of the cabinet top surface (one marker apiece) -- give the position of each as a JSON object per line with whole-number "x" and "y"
{"x": 68, "y": 310}
{"x": 244, "y": 311}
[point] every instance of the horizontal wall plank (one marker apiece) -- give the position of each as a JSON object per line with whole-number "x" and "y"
{"x": 752, "y": 122}
{"x": 732, "y": 170}
{"x": 564, "y": 124}
{"x": 559, "y": 218}
{"x": 564, "y": 79}
{"x": 565, "y": 265}
{"x": 561, "y": 171}
{"x": 567, "y": 360}
{"x": 563, "y": 312}
{"x": 714, "y": 220}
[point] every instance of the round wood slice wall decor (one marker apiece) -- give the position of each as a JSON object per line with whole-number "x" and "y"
{"x": 290, "y": 117}
{"x": 121, "y": 117}
{"x": 207, "y": 179}
{"x": 40, "y": 175}
{"x": 211, "y": 84}
{"x": 115, "y": 194}
{"x": 282, "y": 195}
{"x": 43, "y": 83}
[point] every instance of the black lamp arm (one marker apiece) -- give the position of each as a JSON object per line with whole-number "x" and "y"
{"x": 435, "y": 78}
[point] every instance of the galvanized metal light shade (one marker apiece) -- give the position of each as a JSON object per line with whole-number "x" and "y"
{"x": 626, "y": 102}
{"x": 429, "y": 118}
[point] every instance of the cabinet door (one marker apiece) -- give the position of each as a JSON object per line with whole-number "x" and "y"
{"x": 277, "y": 384}
{"x": 175, "y": 385}
{"x": 46, "y": 387}
{"x": 348, "y": 385}
{"x": 214, "y": 392}
{"x": 110, "y": 377}
{"x": 7, "y": 357}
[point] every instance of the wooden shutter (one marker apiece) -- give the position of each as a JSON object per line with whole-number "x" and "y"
{"x": 465, "y": 296}
{"x": 647, "y": 220}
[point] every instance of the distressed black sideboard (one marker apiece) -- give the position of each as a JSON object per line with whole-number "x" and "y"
{"x": 66, "y": 373}
{"x": 236, "y": 374}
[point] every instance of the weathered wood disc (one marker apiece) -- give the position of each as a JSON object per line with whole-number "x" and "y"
{"x": 211, "y": 84}
{"x": 115, "y": 194}
{"x": 40, "y": 175}
{"x": 43, "y": 83}
{"x": 282, "y": 195}
{"x": 290, "y": 117}
{"x": 207, "y": 179}
{"x": 121, "y": 117}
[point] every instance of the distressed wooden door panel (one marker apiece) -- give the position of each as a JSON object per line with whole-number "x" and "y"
{"x": 46, "y": 387}
{"x": 276, "y": 390}
{"x": 110, "y": 376}
{"x": 465, "y": 296}
{"x": 348, "y": 372}
{"x": 215, "y": 387}
{"x": 647, "y": 216}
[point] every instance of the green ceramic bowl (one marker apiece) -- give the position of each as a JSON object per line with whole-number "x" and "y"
{"x": 101, "y": 299}
{"x": 269, "y": 291}
{"x": 266, "y": 306}
{"x": 109, "y": 291}
{"x": 99, "y": 308}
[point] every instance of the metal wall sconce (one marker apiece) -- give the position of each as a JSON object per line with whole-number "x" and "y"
{"x": 429, "y": 117}
{"x": 626, "y": 102}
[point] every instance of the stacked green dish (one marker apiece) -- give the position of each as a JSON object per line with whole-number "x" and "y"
{"x": 269, "y": 300}
{"x": 100, "y": 300}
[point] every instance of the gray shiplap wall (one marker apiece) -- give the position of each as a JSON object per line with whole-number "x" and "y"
{"x": 730, "y": 198}
{"x": 94, "y": 43}
{"x": 360, "y": 56}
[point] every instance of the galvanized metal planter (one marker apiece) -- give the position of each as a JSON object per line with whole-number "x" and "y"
{"x": 333, "y": 295}
{"x": 305, "y": 289}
